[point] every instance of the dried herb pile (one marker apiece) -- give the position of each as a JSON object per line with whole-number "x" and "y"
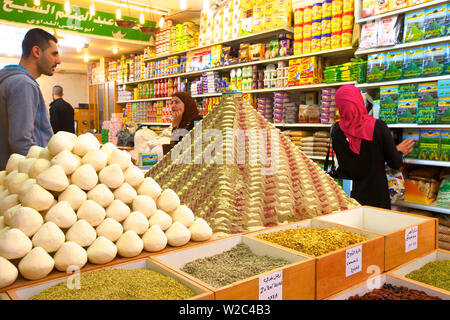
{"x": 314, "y": 241}
{"x": 436, "y": 273}
{"x": 230, "y": 266}
{"x": 117, "y": 284}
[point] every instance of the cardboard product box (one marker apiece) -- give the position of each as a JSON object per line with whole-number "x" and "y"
{"x": 309, "y": 70}
{"x": 397, "y": 229}
{"x": 407, "y": 110}
{"x": 428, "y": 101}
{"x": 445, "y": 146}
{"x": 443, "y": 110}
{"x": 412, "y": 134}
{"x": 429, "y": 144}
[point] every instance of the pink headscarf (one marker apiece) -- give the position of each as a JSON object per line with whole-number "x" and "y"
{"x": 355, "y": 122}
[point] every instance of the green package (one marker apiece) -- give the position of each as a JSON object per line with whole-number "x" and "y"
{"x": 429, "y": 144}
{"x": 443, "y": 110}
{"x": 412, "y": 63}
{"x": 435, "y": 22}
{"x": 407, "y": 110}
{"x": 447, "y": 59}
{"x": 388, "y": 115}
{"x": 428, "y": 99}
{"x": 447, "y": 20}
{"x": 375, "y": 67}
{"x": 407, "y": 91}
{"x": 394, "y": 65}
{"x": 389, "y": 96}
{"x": 412, "y": 134}
{"x": 414, "y": 26}
{"x": 445, "y": 145}
{"x": 433, "y": 60}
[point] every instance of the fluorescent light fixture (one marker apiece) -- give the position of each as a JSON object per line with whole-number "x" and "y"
{"x": 183, "y": 4}
{"x": 138, "y": 6}
{"x": 142, "y": 18}
{"x": 115, "y": 49}
{"x": 161, "y": 22}
{"x": 118, "y": 14}
{"x": 11, "y": 39}
{"x": 67, "y": 8}
{"x": 71, "y": 41}
{"x": 205, "y": 5}
{"x": 92, "y": 10}
{"x": 86, "y": 58}
{"x": 79, "y": 49}
{"x": 37, "y": 2}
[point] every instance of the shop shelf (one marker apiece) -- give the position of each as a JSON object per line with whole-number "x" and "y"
{"x": 401, "y": 81}
{"x": 28, "y": 291}
{"x": 143, "y": 100}
{"x": 392, "y": 225}
{"x": 205, "y": 95}
{"x": 331, "y": 276}
{"x": 421, "y": 206}
{"x": 298, "y": 277}
{"x": 403, "y": 10}
{"x": 427, "y": 162}
{"x": 302, "y": 125}
{"x": 155, "y": 123}
{"x": 418, "y": 126}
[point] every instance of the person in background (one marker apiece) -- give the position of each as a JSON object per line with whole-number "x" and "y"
{"x": 61, "y": 112}
{"x": 363, "y": 145}
{"x": 24, "y": 118}
{"x": 184, "y": 116}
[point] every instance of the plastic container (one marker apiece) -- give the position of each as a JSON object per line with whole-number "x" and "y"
{"x": 336, "y": 23}
{"x": 316, "y": 29}
{"x": 315, "y": 44}
{"x": 336, "y": 40}
{"x": 346, "y": 38}
{"x": 325, "y": 42}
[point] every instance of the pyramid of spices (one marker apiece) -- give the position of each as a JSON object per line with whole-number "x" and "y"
{"x": 246, "y": 186}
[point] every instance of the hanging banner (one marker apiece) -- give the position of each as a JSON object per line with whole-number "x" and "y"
{"x": 52, "y": 15}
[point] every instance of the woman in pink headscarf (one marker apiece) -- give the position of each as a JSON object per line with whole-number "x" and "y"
{"x": 363, "y": 145}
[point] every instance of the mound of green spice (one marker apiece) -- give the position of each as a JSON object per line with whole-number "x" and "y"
{"x": 436, "y": 273}
{"x": 119, "y": 284}
{"x": 230, "y": 266}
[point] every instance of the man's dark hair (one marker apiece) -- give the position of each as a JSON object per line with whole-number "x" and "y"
{"x": 36, "y": 37}
{"x": 58, "y": 91}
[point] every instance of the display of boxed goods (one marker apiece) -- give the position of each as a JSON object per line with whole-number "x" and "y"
{"x": 422, "y": 186}
{"x": 414, "y": 135}
{"x": 339, "y": 264}
{"x": 430, "y": 271}
{"x": 387, "y": 287}
{"x": 433, "y": 60}
{"x": 138, "y": 280}
{"x": 328, "y": 107}
{"x": 406, "y": 236}
{"x": 407, "y": 110}
{"x": 239, "y": 268}
{"x": 429, "y": 144}
{"x": 389, "y": 104}
{"x": 315, "y": 145}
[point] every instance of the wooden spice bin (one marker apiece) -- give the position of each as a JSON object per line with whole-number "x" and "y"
{"x": 331, "y": 267}
{"x": 401, "y": 271}
{"x": 378, "y": 281}
{"x": 297, "y": 277}
{"x": 202, "y": 293}
{"x": 392, "y": 225}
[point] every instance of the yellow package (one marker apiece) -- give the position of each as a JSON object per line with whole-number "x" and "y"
{"x": 258, "y": 18}
{"x": 315, "y": 44}
{"x": 317, "y": 10}
{"x": 326, "y": 25}
{"x": 336, "y": 23}
{"x": 309, "y": 71}
{"x": 307, "y": 30}
{"x": 298, "y": 32}
{"x": 325, "y": 42}
{"x": 336, "y": 40}
{"x": 348, "y": 6}
{"x": 316, "y": 28}
{"x": 326, "y": 8}
{"x": 307, "y": 14}
{"x": 399, "y": 4}
{"x": 382, "y": 6}
{"x": 298, "y": 16}
{"x": 346, "y": 38}
{"x": 306, "y": 47}
{"x": 336, "y": 7}
{"x": 244, "y": 4}
{"x": 298, "y": 47}
{"x": 347, "y": 21}
{"x": 368, "y": 8}
{"x": 283, "y": 18}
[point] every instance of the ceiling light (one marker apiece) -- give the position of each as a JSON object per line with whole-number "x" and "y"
{"x": 183, "y": 4}
{"x": 86, "y": 57}
{"x": 138, "y": 6}
{"x": 79, "y": 49}
{"x": 161, "y": 22}
{"x": 142, "y": 18}
{"x": 115, "y": 49}
{"x": 205, "y": 5}
{"x": 37, "y": 2}
{"x": 118, "y": 14}
{"x": 71, "y": 41}
{"x": 92, "y": 10}
{"x": 67, "y": 8}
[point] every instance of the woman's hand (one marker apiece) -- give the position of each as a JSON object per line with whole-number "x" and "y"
{"x": 406, "y": 146}
{"x": 177, "y": 115}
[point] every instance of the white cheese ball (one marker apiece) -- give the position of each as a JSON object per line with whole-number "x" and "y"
{"x": 14, "y": 244}
{"x": 8, "y": 273}
{"x": 72, "y": 136}
{"x": 168, "y": 201}
{"x": 85, "y": 177}
{"x": 134, "y": 176}
{"x": 53, "y": 179}
{"x": 49, "y": 236}
{"x": 45, "y": 154}
{"x": 200, "y": 230}
{"x": 177, "y": 234}
{"x": 66, "y": 160}
{"x": 117, "y": 210}
{"x": 137, "y": 222}
{"x": 74, "y": 196}
{"x": 38, "y": 166}
{"x": 154, "y": 239}
{"x": 9, "y": 177}
{"x": 27, "y": 220}
{"x": 101, "y": 194}
{"x": 2, "y": 222}
{"x": 83, "y": 144}
{"x": 8, "y": 202}
{"x": 149, "y": 187}
{"x": 144, "y": 204}
{"x": 184, "y": 215}
{"x": 37, "y": 264}
{"x": 38, "y": 198}
{"x": 16, "y": 182}
{"x": 34, "y": 152}
{"x": 2, "y": 177}
{"x": 62, "y": 215}
{"x": 26, "y": 164}
{"x": 125, "y": 193}
{"x": 69, "y": 255}
{"x": 13, "y": 162}
{"x": 129, "y": 244}
{"x": 81, "y": 233}
{"x": 92, "y": 212}
{"x": 93, "y": 139}
{"x": 10, "y": 212}
{"x": 59, "y": 143}
{"x": 122, "y": 158}
{"x": 161, "y": 219}
{"x": 101, "y": 251}
{"x": 25, "y": 187}
{"x": 112, "y": 176}
{"x": 96, "y": 158}
{"x": 110, "y": 229}
{"x": 107, "y": 148}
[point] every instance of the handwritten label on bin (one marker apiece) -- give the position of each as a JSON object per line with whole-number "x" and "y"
{"x": 411, "y": 236}
{"x": 271, "y": 286}
{"x": 353, "y": 261}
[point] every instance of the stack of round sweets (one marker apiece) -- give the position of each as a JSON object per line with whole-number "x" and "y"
{"x": 76, "y": 201}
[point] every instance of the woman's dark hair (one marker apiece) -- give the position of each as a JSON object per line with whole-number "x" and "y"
{"x": 36, "y": 37}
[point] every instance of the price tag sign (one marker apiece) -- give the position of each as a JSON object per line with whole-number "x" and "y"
{"x": 271, "y": 286}
{"x": 411, "y": 236}
{"x": 353, "y": 261}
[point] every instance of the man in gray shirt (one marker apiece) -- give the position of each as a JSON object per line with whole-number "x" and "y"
{"x": 24, "y": 118}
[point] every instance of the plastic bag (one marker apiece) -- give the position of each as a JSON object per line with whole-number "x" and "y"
{"x": 389, "y": 31}
{"x": 443, "y": 197}
{"x": 369, "y": 35}
{"x": 396, "y": 184}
